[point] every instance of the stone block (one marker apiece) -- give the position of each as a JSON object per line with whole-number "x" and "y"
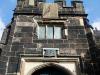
{"x": 28, "y": 34}
{"x": 72, "y": 36}
{"x": 48, "y": 45}
{"x": 74, "y": 22}
{"x": 79, "y": 51}
{"x": 27, "y": 29}
{"x": 26, "y": 40}
{"x": 18, "y": 34}
{"x": 75, "y": 27}
{"x": 10, "y": 54}
{"x": 80, "y": 40}
{"x": 39, "y": 41}
{"x": 30, "y": 45}
{"x": 32, "y": 51}
{"x": 13, "y": 59}
{"x": 81, "y": 46}
{"x": 3, "y": 53}
{"x": 81, "y": 31}
{"x": 12, "y": 67}
{"x": 2, "y": 71}
{"x": 17, "y": 43}
{"x": 65, "y": 41}
{"x": 82, "y": 36}
{"x": 73, "y": 52}
{"x": 65, "y": 51}
{"x": 25, "y": 24}
{"x": 2, "y": 65}
{"x": 12, "y": 74}
{"x": 17, "y": 48}
{"x": 73, "y": 32}
{"x": 6, "y": 48}
{"x": 3, "y": 58}
{"x": 24, "y": 18}
{"x": 58, "y": 41}
{"x": 16, "y": 39}
{"x": 72, "y": 45}
{"x": 61, "y": 45}
{"x": 18, "y": 53}
{"x": 50, "y": 41}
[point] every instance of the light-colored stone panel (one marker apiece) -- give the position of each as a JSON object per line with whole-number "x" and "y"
{"x": 25, "y": 24}
{"x": 50, "y": 10}
{"x": 31, "y": 2}
{"x": 27, "y": 67}
{"x": 81, "y": 22}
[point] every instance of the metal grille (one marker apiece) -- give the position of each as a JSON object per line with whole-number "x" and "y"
{"x": 50, "y": 52}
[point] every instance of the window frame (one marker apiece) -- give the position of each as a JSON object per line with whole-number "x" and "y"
{"x": 50, "y": 49}
{"x": 46, "y": 27}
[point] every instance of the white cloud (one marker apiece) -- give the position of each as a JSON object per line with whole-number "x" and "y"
{"x": 2, "y": 26}
{"x": 96, "y": 24}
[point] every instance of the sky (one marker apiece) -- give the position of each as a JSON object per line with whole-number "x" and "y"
{"x": 7, "y": 7}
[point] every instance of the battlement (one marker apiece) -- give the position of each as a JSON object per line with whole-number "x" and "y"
{"x": 36, "y": 7}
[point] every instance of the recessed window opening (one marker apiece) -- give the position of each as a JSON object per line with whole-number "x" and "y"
{"x": 49, "y": 32}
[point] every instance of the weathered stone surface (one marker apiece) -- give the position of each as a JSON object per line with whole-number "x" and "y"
{"x": 81, "y": 36}
{"x": 12, "y": 67}
{"x": 40, "y": 41}
{"x": 75, "y": 27}
{"x": 2, "y": 65}
{"x": 23, "y": 41}
{"x": 2, "y": 71}
{"x": 30, "y": 45}
{"x": 48, "y": 45}
{"x": 27, "y": 29}
{"x": 24, "y": 34}
{"x": 74, "y": 22}
{"x": 23, "y": 18}
{"x": 81, "y": 40}
{"x": 19, "y": 53}
{"x": 32, "y": 51}
{"x": 26, "y": 40}
{"x": 61, "y": 45}
{"x": 13, "y": 59}
{"x": 10, "y": 54}
{"x": 81, "y": 46}
{"x": 17, "y": 48}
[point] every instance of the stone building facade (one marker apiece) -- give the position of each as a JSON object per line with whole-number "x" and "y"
{"x": 46, "y": 39}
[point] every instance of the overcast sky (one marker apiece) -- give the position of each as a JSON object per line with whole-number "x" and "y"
{"x": 92, "y": 8}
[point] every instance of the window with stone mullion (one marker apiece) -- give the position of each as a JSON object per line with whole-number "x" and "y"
{"x": 49, "y": 32}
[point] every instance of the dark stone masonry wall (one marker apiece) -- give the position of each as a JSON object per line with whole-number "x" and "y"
{"x": 20, "y": 38}
{"x": 23, "y": 41}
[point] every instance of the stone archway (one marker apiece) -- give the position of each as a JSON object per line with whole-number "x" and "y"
{"x": 50, "y": 69}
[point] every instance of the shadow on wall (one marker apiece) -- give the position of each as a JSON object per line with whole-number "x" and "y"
{"x": 0, "y": 51}
{"x": 50, "y": 68}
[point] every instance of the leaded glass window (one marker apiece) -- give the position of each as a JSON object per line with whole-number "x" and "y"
{"x": 57, "y": 32}
{"x": 49, "y": 32}
{"x": 41, "y": 32}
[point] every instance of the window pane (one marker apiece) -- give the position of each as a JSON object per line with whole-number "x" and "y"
{"x": 57, "y": 32}
{"x": 49, "y": 32}
{"x": 41, "y": 33}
